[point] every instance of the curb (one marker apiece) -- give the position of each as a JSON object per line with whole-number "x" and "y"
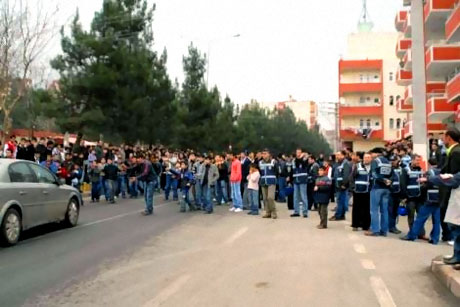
{"x": 446, "y": 275}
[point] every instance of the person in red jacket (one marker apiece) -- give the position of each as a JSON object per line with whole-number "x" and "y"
{"x": 235, "y": 184}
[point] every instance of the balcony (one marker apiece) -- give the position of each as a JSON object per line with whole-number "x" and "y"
{"x": 353, "y": 65}
{"x": 436, "y": 13}
{"x": 407, "y": 28}
{"x": 408, "y": 60}
{"x": 438, "y": 109}
{"x": 369, "y": 110}
{"x": 457, "y": 115}
{"x": 402, "y": 46}
{"x": 403, "y": 77}
{"x": 453, "y": 89}
{"x": 403, "y": 107}
{"x": 360, "y": 133}
{"x": 408, "y": 95}
{"x": 440, "y": 61}
{"x": 408, "y": 129}
{"x": 453, "y": 25}
{"x": 435, "y": 89}
{"x": 400, "y": 19}
{"x": 370, "y": 87}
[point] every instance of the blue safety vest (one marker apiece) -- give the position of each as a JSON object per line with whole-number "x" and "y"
{"x": 300, "y": 174}
{"x": 396, "y": 184}
{"x": 362, "y": 179}
{"x": 433, "y": 190}
{"x": 267, "y": 173}
{"x": 339, "y": 171}
{"x": 413, "y": 186}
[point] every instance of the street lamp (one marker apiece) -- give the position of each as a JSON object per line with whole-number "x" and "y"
{"x": 209, "y": 54}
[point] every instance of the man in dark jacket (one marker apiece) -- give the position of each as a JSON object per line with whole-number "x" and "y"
{"x": 111, "y": 177}
{"x": 245, "y": 163}
{"x": 451, "y": 166}
{"x": 342, "y": 183}
{"x": 148, "y": 176}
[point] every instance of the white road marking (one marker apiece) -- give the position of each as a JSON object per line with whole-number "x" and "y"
{"x": 367, "y": 264}
{"x": 353, "y": 236}
{"x": 359, "y": 248}
{"x": 236, "y": 235}
{"x": 381, "y": 292}
{"x": 167, "y": 292}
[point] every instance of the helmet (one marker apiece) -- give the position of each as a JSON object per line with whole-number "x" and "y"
{"x": 402, "y": 211}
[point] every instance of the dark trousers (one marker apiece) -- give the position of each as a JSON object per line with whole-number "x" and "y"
{"x": 310, "y": 196}
{"x": 361, "y": 216}
{"x": 393, "y": 211}
{"x": 446, "y": 229}
{"x": 413, "y": 206}
{"x": 323, "y": 214}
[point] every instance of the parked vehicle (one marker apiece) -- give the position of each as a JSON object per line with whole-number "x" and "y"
{"x": 31, "y": 195}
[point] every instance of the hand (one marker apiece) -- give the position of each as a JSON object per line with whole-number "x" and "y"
{"x": 422, "y": 180}
{"x": 343, "y": 187}
{"x": 387, "y": 181}
{"x": 288, "y": 179}
{"x": 315, "y": 188}
{"x": 446, "y": 176}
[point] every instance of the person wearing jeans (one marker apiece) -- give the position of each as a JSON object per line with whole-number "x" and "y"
{"x": 235, "y": 184}
{"x": 210, "y": 174}
{"x": 382, "y": 173}
{"x": 253, "y": 189}
{"x": 341, "y": 176}
{"x": 300, "y": 177}
{"x": 111, "y": 177}
{"x": 148, "y": 177}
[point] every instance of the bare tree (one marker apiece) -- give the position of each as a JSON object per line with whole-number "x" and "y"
{"x": 26, "y": 29}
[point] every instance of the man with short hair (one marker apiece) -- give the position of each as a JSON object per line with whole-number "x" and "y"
{"x": 268, "y": 174}
{"x": 148, "y": 176}
{"x": 111, "y": 177}
{"x": 235, "y": 184}
{"x": 300, "y": 178}
{"x": 361, "y": 180}
{"x": 342, "y": 183}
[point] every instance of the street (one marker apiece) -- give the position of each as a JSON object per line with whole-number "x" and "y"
{"x": 116, "y": 257}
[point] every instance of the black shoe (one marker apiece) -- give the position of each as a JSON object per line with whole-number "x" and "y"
{"x": 295, "y": 215}
{"x": 145, "y": 213}
{"x": 208, "y": 212}
{"x": 406, "y": 238}
{"x": 395, "y": 231}
{"x": 305, "y": 215}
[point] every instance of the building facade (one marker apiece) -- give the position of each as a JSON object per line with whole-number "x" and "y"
{"x": 441, "y": 19}
{"x": 368, "y": 92}
{"x": 306, "y": 111}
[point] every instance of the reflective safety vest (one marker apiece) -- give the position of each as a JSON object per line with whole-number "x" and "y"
{"x": 339, "y": 178}
{"x": 289, "y": 167}
{"x": 300, "y": 174}
{"x": 433, "y": 191}
{"x": 396, "y": 184}
{"x": 362, "y": 179}
{"x": 413, "y": 186}
{"x": 267, "y": 173}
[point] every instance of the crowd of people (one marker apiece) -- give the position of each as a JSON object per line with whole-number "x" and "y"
{"x": 380, "y": 185}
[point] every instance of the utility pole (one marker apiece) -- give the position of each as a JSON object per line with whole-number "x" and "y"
{"x": 419, "y": 120}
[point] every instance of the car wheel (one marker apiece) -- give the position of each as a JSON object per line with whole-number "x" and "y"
{"x": 11, "y": 227}
{"x": 72, "y": 213}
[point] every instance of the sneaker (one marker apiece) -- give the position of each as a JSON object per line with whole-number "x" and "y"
{"x": 232, "y": 209}
{"x": 295, "y": 215}
{"x": 451, "y": 243}
{"x": 395, "y": 231}
{"x": 238, "y": 210}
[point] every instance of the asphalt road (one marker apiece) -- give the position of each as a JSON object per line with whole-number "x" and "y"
{"x": 118, "y": 258}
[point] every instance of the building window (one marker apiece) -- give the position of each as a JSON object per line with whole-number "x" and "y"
{"x": 362, "y": 100}
{"x": 392, "y": 123}
{"x": 392, "y": 100}
{"x": 398, "y": 123}
{"x": 361, "y": 78}
{"x": 397, "y": 98}
{"x": 368, "y": 123}
{"x": 377, "y": 124}
{"x": 376, "y": 100}
{"x": 361, "y": 123}
{"x": 391, "y": 76}
{"x": 368, "y": 98}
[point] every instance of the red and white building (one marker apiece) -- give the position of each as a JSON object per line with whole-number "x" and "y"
{"x": 442, "y": 65}
{"x": 306, "y": 111}
{"x": 368, "y": 92}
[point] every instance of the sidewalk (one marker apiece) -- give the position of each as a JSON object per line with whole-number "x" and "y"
{"x": 447, "y": 275}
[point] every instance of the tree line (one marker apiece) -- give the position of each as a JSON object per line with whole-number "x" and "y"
{"x": 113, "y": 84}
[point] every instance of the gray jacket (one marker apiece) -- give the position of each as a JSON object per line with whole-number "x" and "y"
{"x": 213, "y": 174}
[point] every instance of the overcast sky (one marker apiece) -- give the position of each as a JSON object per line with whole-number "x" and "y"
{"x": 286, "y": 47}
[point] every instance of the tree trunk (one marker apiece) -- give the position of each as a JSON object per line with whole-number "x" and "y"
{"x": 7, "y": 125}
{"x": 76, "y": 146}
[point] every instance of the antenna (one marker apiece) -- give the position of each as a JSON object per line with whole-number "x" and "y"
{"x": 365, "y": 24}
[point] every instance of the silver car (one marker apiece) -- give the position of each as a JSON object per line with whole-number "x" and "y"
{"x": 30, "y": 195}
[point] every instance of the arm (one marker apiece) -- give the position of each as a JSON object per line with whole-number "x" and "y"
{"x": 346, "y": 174}
{"x": 453, "y": 182}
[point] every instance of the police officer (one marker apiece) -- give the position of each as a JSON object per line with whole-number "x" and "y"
{"x": 412, "y": 190}
{"x": 430, "y": 207}
{"x": 268, "y": 174}
{"x": 361, "y": 175}
{"x": 395, "y": 196}
{"x": 381, "y": 172}
{"x": 300, "y": 178}
{"x": 313, "y": 168}
{"x": 342, "y": 181}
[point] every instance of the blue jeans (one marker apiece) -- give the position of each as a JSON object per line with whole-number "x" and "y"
{"x": 148, "y": 195}
{"x": 122, "y": 185}
{"x": 199, "y": 195}
{"x": 111, "y": 189}
{"x": 379, "y": 211}
{"x": 222, "y": 195}
{"x": 281, "y": 187}
{"x": 342, "y": 204}
{"x": 207, "y": 201}
{"x": 300, "y": 194}
{"x": 105, "y": 189}
{"x": 96, "y": 190}
{"x": 254, "y": 200}
{"x": 184, "y": 200}
{"x": 423, "y": 214}
{"x": 455, "y": 231}
{"x": 133, "y": 191}
{"x": 236, "y": 195}
{"x": 171, "y": 183}
{"x": 393, "y": 211}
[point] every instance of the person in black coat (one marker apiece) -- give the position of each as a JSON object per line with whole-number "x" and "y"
{"x": 451, "y": 166}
